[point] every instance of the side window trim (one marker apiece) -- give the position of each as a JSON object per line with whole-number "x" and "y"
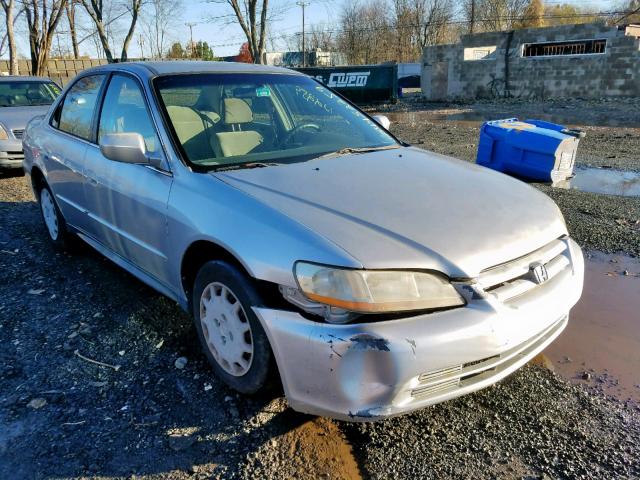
{"x": 98, "y": 109}
{"x": 55, "y": 116}
{"x": 162, "y": 152}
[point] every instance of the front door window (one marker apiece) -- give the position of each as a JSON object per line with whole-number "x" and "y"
{"x": 124, "y": 111}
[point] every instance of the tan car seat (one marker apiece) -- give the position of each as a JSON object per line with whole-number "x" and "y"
{"x": 237, "y": 142}
{"x": 192, "y": 130}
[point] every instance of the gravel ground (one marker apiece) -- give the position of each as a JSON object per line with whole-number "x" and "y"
{"x": 137, "y": 414}
{"x": 532, "y": 425}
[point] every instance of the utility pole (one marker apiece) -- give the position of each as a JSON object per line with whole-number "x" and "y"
{"x": 191, "y": 25}
{"x": 303, "y": 4}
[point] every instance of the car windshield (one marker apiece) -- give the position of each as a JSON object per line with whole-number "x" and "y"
{"x": 235, "y": 120}
{"x": 23, "y": 93}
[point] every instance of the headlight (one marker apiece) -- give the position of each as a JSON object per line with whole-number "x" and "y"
{"x": 378, "y": 291}
{"x": 3, "y": 133}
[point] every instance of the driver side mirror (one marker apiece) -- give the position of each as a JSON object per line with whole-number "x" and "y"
{"x": 126, "y": 148}
{"x": 383, "y": 121}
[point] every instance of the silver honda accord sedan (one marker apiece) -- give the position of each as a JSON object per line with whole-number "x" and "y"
{"x": 21, "y": 99}
{"x": 311, "y": 247}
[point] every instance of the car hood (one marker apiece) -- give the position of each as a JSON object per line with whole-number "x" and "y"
{"x": 16, "y": 118}
{"x": 409, "y": 208}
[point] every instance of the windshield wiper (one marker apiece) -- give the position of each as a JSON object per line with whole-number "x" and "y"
{"x": 350, "y": 150}
{"x": 242, "y": 166}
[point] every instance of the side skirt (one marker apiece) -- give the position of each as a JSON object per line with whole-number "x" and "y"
{"x": 134, "y": 270}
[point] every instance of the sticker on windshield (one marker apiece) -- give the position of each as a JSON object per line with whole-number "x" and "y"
{"x": 263, "y": 92}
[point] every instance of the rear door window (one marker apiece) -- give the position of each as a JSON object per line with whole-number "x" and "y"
{"x": 78, "y": 108}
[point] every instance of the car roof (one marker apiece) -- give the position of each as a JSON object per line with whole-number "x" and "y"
{"x": 153, "y": 68}
{"x": 23, "y": 78}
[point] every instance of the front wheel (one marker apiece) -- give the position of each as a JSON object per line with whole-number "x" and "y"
{"x": 230, "y": 333}
{"x": 53, "y": 220}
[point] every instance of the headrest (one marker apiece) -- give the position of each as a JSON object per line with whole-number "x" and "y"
{"x": 180, "y": 114}
{"x": 236, "y": 110}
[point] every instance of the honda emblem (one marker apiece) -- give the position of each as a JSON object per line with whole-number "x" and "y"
{"x": 540, "y": 274}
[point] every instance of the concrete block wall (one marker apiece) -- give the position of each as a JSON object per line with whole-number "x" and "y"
{"x": 60, "y": 71}
{"x": 447, "y": 76}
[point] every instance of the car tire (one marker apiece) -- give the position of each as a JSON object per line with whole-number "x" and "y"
{"x": 53, "y": 220}
{"x": 229, "y": 331}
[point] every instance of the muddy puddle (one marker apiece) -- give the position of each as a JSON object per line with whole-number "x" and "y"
{"x": 604, "y": 180}
{"x": 317, "y": 449}
{"x": 466, "y": 119}
{"x": 601, "y": 345}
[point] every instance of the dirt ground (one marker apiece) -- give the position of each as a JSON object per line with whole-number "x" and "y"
{"x": 137, "y": 415}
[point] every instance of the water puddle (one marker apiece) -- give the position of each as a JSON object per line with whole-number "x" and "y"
{"x": 601, "y": 345}
{"x": 474, "y": 118}
{"x": 604, "y": 180}
{"x": 463, "y": 119}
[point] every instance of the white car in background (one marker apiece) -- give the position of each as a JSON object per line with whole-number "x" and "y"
{"x": 21, "y": 99}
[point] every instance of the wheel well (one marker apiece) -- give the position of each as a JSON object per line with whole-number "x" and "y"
{"x": 37, "y": 179}
{"x": 197, "y": 255}
{"x": 203, "y": 251}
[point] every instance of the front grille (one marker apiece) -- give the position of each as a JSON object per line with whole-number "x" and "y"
{"x": 18, "y": 133}
{"x": 441, "y": 382}
{"x": 436, "y": 374}
{"x": 13, "y": 155}
{"x": 517, "y": 277}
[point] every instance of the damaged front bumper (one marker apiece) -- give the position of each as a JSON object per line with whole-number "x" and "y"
{"x": 369, "y": 371}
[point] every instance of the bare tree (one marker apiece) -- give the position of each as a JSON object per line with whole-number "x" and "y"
{"x": 253, "y": 19}
{"x": 71, "y": 20}
{"x": 632, "y": 13}
{"x": 96, "y": 10}
{"x": 9, "y": 14}
{"x": 404, "y": 25}
{"x": 433, "y": 20}
{"x": 320, "y": 38}
{"x": 42, "y": 19}
{"x": 533, "y": 15}
{"x": 494, "y": 15}
{"x": 366, "y": 32}
{"x": 162, "y": 19}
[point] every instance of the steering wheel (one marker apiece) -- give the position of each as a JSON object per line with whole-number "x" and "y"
{"x": 299, "y": 128}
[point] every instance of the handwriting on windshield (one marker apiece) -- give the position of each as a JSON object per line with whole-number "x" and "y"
{"x": 311, "y": 98}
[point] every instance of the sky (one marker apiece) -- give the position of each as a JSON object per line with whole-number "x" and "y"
{"x": 226, "y": 38}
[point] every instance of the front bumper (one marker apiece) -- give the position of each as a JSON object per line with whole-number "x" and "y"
{"x": 11, "y": 154}
{"x": 369, "y": 371}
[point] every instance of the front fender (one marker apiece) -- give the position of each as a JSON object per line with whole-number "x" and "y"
{"x": 265, "y": 241}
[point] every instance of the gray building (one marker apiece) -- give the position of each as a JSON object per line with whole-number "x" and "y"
{"x": 588, "y": 60}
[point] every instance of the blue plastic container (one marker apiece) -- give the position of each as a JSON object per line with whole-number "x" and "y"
{"x": 533, "y": 149}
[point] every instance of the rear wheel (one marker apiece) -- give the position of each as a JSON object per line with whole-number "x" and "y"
{"x": 230, "y": 333}
{"x": 53, "y": 220}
